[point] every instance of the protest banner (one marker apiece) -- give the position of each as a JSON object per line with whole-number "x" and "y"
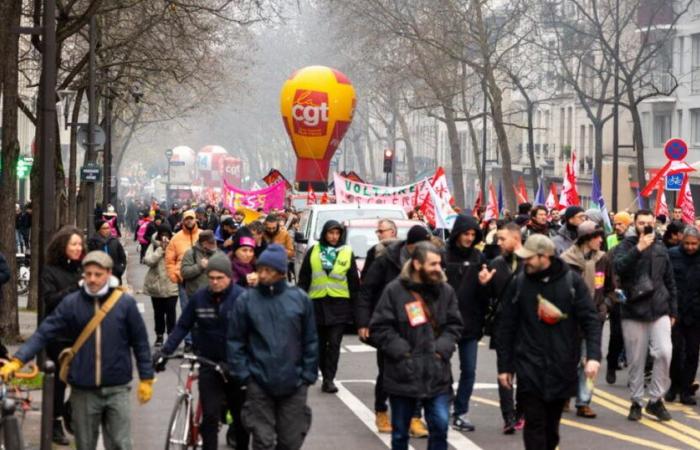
{"x": 270, "y": 197}
{"x": 349, "y": 191}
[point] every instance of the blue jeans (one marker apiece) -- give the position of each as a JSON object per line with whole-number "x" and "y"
{"x": 437, "y": 413}
{"x": 182, "y": 293}
{"x": 584, "y": 393}
{"x": 467, "y": 376}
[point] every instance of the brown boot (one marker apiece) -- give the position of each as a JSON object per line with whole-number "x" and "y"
{"x": 585, "y": 411}
{"x": 382, "y": 422}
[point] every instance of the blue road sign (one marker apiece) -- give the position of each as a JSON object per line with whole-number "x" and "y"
{"x": 674, "y": 182}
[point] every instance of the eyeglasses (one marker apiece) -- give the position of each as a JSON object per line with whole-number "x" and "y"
{"x": 380, "y": 231}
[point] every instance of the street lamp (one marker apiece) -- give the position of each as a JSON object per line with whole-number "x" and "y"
{"x": 169, "y": 157}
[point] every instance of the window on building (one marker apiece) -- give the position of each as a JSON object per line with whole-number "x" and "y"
{"x": 695, "y": 126}
{"x": 662, "y": 128}
{"x": 695, "y": 65}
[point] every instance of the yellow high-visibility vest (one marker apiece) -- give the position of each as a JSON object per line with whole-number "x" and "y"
{"x": 335, "y": 283}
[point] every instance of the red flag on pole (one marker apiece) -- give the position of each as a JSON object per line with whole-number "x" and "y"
{"x": 521, "y": 191}
{"x": 492, "y": 206}
{"x": 661, "y": 205}
{"x": 685, "y": 201}
{"x": 311, "y": 197}
{"x": 477, "y": 205}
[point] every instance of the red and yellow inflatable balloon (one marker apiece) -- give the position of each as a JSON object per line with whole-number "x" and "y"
{"x": 317, "y": 104}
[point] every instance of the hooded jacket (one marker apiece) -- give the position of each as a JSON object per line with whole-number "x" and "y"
{"x": 564, "y": 238}
{"x": 416, "y": 357}
{"x": 545, "y": 357}
{"x": 506, "y": 267}
{"x": 156, "y": 283}
{"x": 597, "y": 272}
{"x": 113, "y": 248}
{"x": 462, "y": 266}
{"x": 330, "y": 310}
{"x": 182, "y": 241}
{"x": 655, "y": 263}
{"x": 193, "y": 275}
{"x": 272, "y": 339}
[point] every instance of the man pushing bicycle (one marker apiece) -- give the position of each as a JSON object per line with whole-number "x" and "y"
{"x": 206, "y": 316}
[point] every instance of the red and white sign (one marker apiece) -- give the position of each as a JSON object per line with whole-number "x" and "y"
{"x": 310, "y": 113}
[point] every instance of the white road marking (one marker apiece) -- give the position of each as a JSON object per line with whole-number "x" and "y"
{"x": 454, "y": 438}
{"x": 141, "y": 307}
{"x": 361, "y": 348}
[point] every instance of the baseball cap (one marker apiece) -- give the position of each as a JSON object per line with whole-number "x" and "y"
{"x": 98, "y": 258}
{"x": 537, "y": 244}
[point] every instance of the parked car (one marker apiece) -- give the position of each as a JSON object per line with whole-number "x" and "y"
{"x": 362, "y": 236}
{"x": 312, "y": 220}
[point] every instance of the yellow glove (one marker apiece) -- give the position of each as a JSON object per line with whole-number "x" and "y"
{"x": 9, "y": 369}
{"x": 145, "y": 391}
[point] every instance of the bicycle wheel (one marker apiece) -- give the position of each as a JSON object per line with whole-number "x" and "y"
{"x": 179, "y": 424}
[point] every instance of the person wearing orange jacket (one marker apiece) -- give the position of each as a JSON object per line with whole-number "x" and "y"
{"x": 182, "y": 241}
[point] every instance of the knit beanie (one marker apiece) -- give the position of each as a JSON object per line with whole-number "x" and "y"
{"x": 417, "y": 233}
{"x": 571, "y": 211}
{"x": 243, "y": 238}
{"x": 220, "y": 263}
{"x": 275, "y": 257}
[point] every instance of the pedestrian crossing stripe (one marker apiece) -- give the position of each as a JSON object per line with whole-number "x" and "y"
{"x": 594, "y": 429}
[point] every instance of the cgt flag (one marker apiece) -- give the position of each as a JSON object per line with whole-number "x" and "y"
{"x": 685, "y": 201}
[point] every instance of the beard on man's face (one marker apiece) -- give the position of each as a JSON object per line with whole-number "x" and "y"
{"x": 430, "y": 276}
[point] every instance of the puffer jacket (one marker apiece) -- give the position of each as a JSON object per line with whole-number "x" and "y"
{"x": 545, "y": 357}
{"x": 630, "y": 263}
{"x": 106, "y": 357}
{"x": 412, "y": 367}
{"x": 182, "y": 241}
{"x": 194, "y": 277}
{"x": 156, "y": 283}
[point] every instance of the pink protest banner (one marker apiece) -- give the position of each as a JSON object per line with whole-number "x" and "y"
{"x": 349, "y": 191}
{"x": 271, "y": 197}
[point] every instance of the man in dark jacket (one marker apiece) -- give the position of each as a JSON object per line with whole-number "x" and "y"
{"x": 685, "y": 260}
{"x": 387, "y": 265}
{"x": 538, "y": 223}
{"x": 386, "y": 233}
{"x": 544, "y": 307}
{"x": 506, "y": 266}
{"x": 207, "y": 316}
{"x": 566, "y": 235}
{"x": 105, "y": 242}
{"x": 272, "y": 349}
{"x": 330, "y": 277}
{"x": 99, "y": 387}
{"x": 463, "y": 263}
{"x": 416, "y": 325}
{"x": 643, "y": 265}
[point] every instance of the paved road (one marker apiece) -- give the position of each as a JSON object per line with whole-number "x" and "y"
{"x": 345, "y": 420}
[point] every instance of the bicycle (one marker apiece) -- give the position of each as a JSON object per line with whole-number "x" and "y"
{"x": 186, "y": 418}
{"x": 12, "y": 399}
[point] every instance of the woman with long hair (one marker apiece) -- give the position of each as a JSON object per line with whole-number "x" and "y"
{"x": 61, "y": 277}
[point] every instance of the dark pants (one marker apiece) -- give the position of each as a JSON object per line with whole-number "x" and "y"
{"x": 616, "y": 344}
{"x": 143, "y": 251}
{"x": 678, "y": 358}
{"x": 53, "y": 349}
{"x": 437, "y": 413}
{"x": 276, "y": 423}
{"x": 164, "y": 313}
{"x": 380, "y": 395}
{"x": 214, "y": 394}
{"x": 541, "y": 422}
{"x": 329, "y": 339}
{"x": 691, "y": 335}
{"x": 467, "y": 368}
{"x": 510, "y": 408}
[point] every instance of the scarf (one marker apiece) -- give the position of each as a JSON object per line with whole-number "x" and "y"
{"x": 537, "y": 228}
{"x": 240, "y": 270}
{"x": 328, "y": 257}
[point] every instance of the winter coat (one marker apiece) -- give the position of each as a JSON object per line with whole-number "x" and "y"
{"x": 462, "y": 268}
{"x": 193, "y": 275}
{"x": 105, "y": 358}
{"x": 114, "y": 249}
{"x": 284, "y": 239}
{"x": 506, "y": 268}
{"x": 240, "y": 271}
{"x": 386, "y": 267}
{"x": 330, "y": 310}
{"x": 597, "y": 272}
{"x": 156, "y": 283}
{"x": 563, "y": 239}
{"x": 59, "y": 281}
{"x": 272, "y": 339}
{"x": 206, "y": 316}
{"x": 686, "y": 273}
{"x": 654, "y": 262}
{"x": 545, "y": 357}
{"x": 372, "y": 254}
{"x": 416, "y": 358}
{"x": 182, "y": 241}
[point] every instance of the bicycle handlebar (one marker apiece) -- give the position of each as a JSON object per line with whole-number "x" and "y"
{"x": 197, "y": 359}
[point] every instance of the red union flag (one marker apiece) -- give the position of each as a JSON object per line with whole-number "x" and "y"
{"x": 310, "y": 112}
{"x": 685, "y": 201}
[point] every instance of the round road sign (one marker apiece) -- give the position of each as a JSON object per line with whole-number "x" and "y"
{"x": 676, "y": 149}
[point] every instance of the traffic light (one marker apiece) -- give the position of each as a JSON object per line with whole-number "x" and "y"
{"x": 388, "y": 160}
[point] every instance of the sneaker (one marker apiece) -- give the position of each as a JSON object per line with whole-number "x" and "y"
{"x": 382, "y": 421}
{"x": 635, "y": 412}
{"x": 58, "y": 436}
{"x": 418, "y": 429}
{"x": 509, "y": 425}
{"x": 329, "y": 387}
{"x": 688, "y": 399}
{"x": 159, "y": 341}
{"x": 658, "y": 409}
{"x": 462, "y": 423}
{"x": 585, "y": 411}
{"x": 520, "y": 424}
{"x": 610, "y": 375}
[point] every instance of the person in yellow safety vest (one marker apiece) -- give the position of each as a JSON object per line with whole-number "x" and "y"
{"x": 330, "y": 276}
{"x": 621, "y": 222}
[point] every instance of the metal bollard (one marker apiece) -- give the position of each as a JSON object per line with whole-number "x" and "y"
{"x": 10, "y": 426}
{"x": 47, "y": 405}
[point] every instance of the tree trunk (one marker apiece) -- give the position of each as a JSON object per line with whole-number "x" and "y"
{"x": 638, "y": 139}
{"x": 9, "y": 56}
{"x": 475, "y": 149}
{"x": 118, "y": 157}
{"x": 72, "y": 163}
{"x": 359, "y": 153}
{"x": 531, "y": 145}
{"x": 368, "y": 140}
{"x": 502, "y": 136}
{"x": 455, "y": 154}
{"x": 598, "y": 156}
{"x": 410, "y": 156}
